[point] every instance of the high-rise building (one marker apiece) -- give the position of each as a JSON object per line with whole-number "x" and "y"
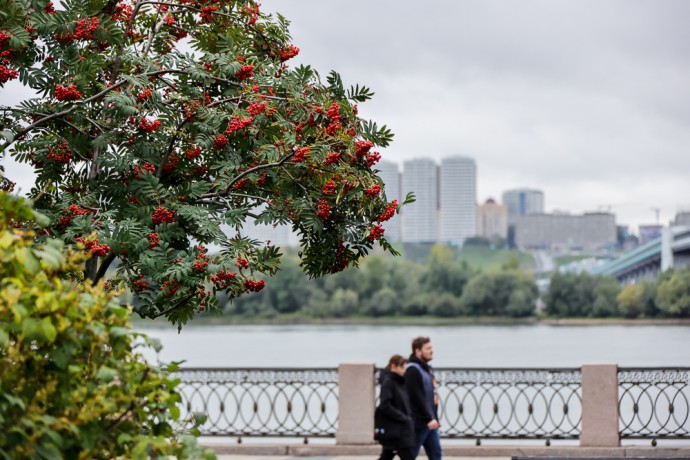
{"x": 419, "y": 219}
{"x": 521, "y": 202}
{"x": 457, "y": 200}
{"x": 389, "y": 172}
{"x": 589, "y": 232}
{"x": 492, "y": 220}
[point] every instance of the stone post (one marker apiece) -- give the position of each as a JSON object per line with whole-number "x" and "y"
{"x": 600, "y": 406}
{"x": 356, "y": 404}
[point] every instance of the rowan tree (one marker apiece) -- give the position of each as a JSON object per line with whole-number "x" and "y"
{"x": 160, "y": 127}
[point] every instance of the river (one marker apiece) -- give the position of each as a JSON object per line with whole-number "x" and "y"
{"x": 455, "y": 346}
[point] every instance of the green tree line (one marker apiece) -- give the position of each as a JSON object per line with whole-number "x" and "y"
{"x": 385, "y": 286}
{"x": 443, "y": 286}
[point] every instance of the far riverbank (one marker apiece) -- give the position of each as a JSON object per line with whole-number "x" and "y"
{"x": 416, "y": 321}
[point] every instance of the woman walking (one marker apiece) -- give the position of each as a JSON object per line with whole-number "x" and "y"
{"x": 394, "y": 425}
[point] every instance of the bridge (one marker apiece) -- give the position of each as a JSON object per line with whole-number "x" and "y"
{"x": 671, "y": 250}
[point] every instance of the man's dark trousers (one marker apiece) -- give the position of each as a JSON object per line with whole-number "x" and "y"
{"x": 431, "y": 440}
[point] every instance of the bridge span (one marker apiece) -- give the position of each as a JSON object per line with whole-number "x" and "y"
{"x": 671, "y": 250}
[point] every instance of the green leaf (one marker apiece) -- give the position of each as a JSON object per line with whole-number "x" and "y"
{"x": 106, "y": 374}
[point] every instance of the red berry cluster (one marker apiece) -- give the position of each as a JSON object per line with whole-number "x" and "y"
{"x": 253, "y": 13}
{"x": 373, "y": 190}
{"x": 153, "y": 240}
{"x": 331, "y": 158}
{"x": 171, "y": 164}
{"x": 334, "y": 111}
{"x": 245, "y": 72}
{"x": 161, "y": 215}
{"x": 329, "y": 188}
{"x": 242, "y": 263}
{"x": 73, "y": 210}
{"x": 169, "y": 20}
{"x": 7, "y": 74}
{"x": 149, "y": 126}
{"x": 240, "y": 184}
{"x": 171, "y": 287}
{"x": 138, "y": 171}
{"x": 50, "y": 9}
{"x": 341, "y": 257}
{"x": 207, "y": 14}
{"x": 300, "y": 154}
{"x": 256, "y": 108}
{"x": 140, "y": 285}
{"x": 323, "y": 210}
{"x": 253, "y": 286}
{"x": 332, "y": 128}
{"x": 193, "y": 152}
{"x": 288, "y": 52}
{"x": 220, "y": 142}
{"x": 144, "y": 95}
{"x": 222, "y": 277}
{"x": 363, "y": 147}
{"x": 376, "y": 232}
{"x": 92, "y": 246}
{"x": 60, "y": 154}
{"x": 237, "y": 123}
{"x": 373, "y": 158}
{"x": 85, "y": 29}
{"x": 70, "y": 93}
{"x": 389, "y": 212}
{"x": 201, "y": 263}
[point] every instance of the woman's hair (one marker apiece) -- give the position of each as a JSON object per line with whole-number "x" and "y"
{"x": 396, "y": 360}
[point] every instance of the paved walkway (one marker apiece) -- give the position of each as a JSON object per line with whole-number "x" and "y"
{"x": 340, "y": 457}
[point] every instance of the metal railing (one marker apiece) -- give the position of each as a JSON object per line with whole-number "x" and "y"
{"x": 653, "y": 403}
{"x": 262, "y": 402}
{"x": 510, "y": 403}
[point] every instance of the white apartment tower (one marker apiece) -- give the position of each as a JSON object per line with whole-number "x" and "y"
{"x": 389, "y": 172}
{"x": 419, "y": 218}
{"x": 521, "y": 202}
{"x": 457, "y": 200}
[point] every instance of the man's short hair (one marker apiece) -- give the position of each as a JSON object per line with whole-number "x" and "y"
{"x": 419, "y": 342}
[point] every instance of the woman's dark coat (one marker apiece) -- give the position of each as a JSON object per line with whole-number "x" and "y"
{"x": 394, "y": 412}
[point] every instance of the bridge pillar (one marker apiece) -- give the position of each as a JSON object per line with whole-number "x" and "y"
{"x": 356, "y": 402}
{"x": 600, "y": 406}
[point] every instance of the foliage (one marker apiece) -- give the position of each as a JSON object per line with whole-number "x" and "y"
{"x": 385, "y": 287}
{"x": 631, "y": 300}
{"x": 71, "y": 382}
{"x": 500, "y": 293}
{"x": 163, "y": 126}
{"x": 673, "y": 294}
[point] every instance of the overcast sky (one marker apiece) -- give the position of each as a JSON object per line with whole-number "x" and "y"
{"x": 587, "y": 100}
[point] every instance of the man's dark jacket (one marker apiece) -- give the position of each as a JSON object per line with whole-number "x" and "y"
{"x": 419, "y": 381}
{"x": 394, "y": 408}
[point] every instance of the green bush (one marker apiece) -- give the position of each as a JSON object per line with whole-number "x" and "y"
{"x": 72, "y": 384}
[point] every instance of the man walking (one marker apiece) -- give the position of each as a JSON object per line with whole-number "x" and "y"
{"x": 421, "y": 388}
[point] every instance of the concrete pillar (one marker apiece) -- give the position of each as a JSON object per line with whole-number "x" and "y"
{"x": 356, "y": 402}
{"x": 600, "y": 406}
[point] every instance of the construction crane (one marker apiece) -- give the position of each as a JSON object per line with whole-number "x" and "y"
{"x": 656, "y": 211}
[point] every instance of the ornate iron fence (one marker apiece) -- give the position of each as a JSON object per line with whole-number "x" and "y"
{"x": 262, "y": 402}
{"x": 510, "y": 403}
{"x": 654, "y": 403}
{"x": 474, "y": 403}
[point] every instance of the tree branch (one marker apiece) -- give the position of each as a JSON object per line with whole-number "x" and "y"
{"x": 179, "y": 304}
{"x": 104, "y": 267}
